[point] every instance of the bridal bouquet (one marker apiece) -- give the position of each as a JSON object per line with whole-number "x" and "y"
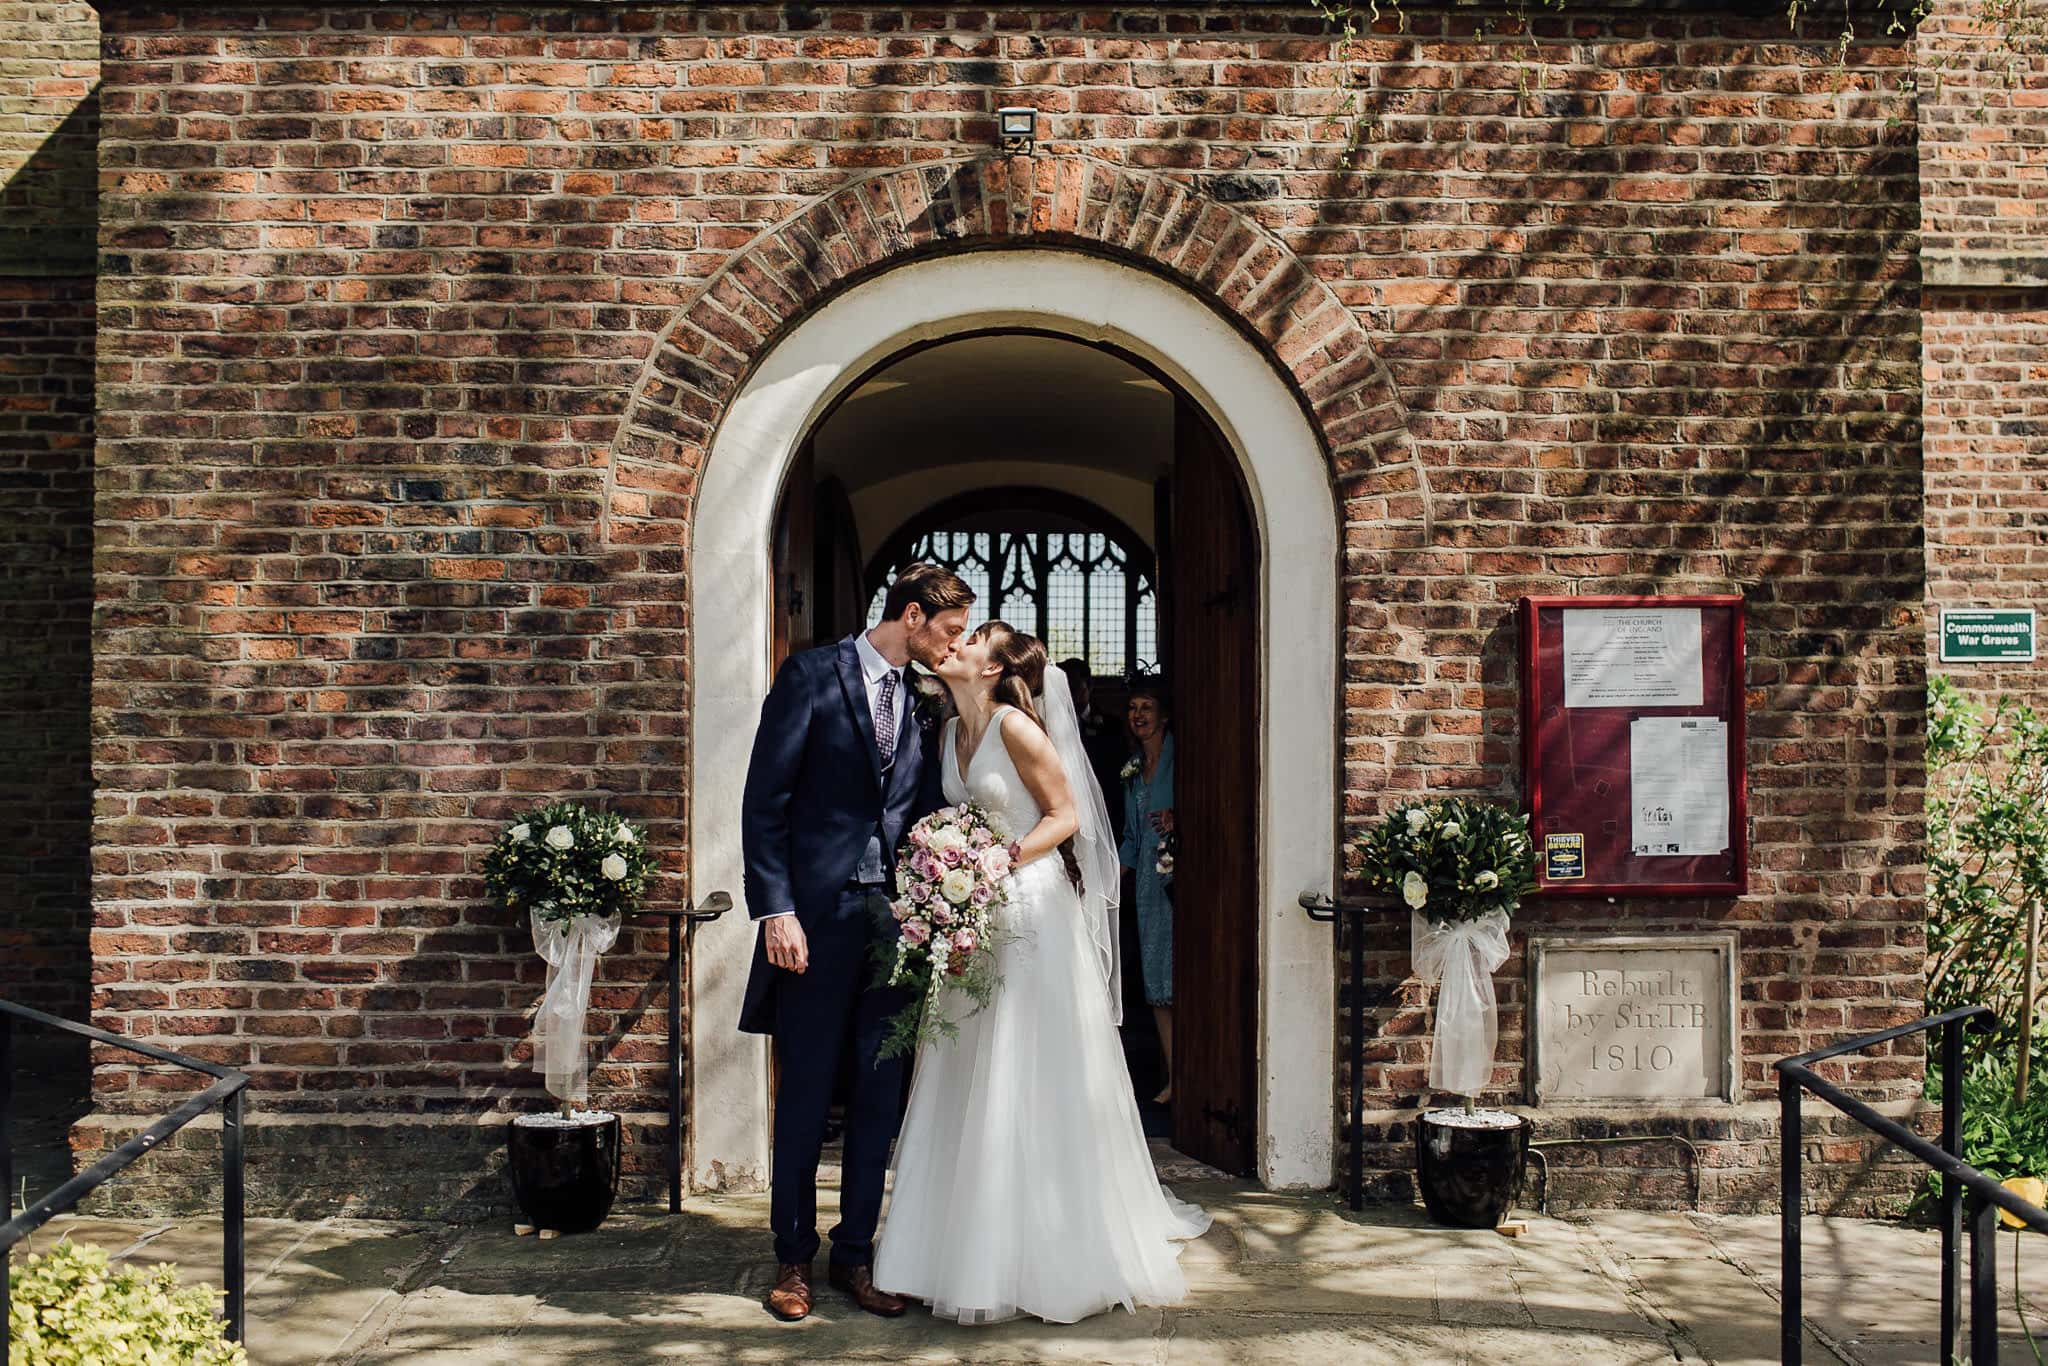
{"x": 951, "y": 876}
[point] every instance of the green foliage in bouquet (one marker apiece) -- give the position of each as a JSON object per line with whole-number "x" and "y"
{"x": 566, "y": 860}
{"x": 935, "y": 998}
{"x": 1451, "y": 860}
{"x": 69, "y": 1308}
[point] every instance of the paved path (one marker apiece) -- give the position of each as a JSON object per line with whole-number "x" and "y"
{"x": 1282, "y": 1278}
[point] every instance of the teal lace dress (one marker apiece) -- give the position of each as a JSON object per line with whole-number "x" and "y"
{"x": 1140, "y": 854}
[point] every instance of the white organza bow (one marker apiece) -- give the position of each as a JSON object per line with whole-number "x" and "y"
{"x": 570, "y": 948}
{"x": 1461, "y": 955}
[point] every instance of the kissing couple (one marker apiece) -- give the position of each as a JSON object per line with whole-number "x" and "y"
{"x": 1023, "y": 1182}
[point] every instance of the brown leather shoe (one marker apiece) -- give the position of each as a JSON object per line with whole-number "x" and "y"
{"x": 859, "y": 1282}
{"x": 790, "y": 1300}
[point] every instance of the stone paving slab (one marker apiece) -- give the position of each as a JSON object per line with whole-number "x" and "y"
{"x": 1293, "y": 1280}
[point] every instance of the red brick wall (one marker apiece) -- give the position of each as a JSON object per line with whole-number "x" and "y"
{"x": 48, "y": 126}
{"x": 1984, "y": 191}
{"x": 378, "y": 566}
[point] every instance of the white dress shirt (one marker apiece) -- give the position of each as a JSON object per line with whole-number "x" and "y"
{"x": 872, "y": 668}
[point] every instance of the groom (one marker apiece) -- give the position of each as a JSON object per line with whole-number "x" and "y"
{"x": 841, "y": 768}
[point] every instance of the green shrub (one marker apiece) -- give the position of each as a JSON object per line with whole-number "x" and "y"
{"x": 69, "y": 1308}
{"x": 1987, "y": 856}
{"x": 2000, "y": 1137}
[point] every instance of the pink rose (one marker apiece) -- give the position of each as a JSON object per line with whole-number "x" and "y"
{"x": 920, "y": 893}
{"x": 942, "y": 913}
{"x": 916, "y": 931}
{"x": 982, "y": 894}
{"x": 901, "y": 910}
{"x": 995, "y": 863}
{"x": 929, "y": 868}
{"x": 952, "y": 855}
{"x": 980, "y": 838}
{"x": 920, "y": 836}
{"x": 964, "y": 942}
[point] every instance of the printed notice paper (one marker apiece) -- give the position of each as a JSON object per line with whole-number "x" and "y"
{"x": 1678, "y": 780}
{"x": 1632, "y": 657}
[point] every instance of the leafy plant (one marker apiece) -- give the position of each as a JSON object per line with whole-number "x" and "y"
{"x": 70, "y": 1308}
{"x": 2000, "y": 1136}
{"x": 566, "y": 860}
{"x": 1987, "y": 859}
{"x": 1451, "y": 860}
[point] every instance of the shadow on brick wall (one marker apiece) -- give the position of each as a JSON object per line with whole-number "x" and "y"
{"x": 46, "y": 425}
{"x": 49, "y": 205}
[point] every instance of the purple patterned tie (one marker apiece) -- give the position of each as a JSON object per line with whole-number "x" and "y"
{"x": 885, "y": 720}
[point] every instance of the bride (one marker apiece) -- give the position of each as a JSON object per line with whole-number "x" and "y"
{"x": 1023, "y": 1183}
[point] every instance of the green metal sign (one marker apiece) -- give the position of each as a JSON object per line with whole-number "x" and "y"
{"x": 1987, "y": 633}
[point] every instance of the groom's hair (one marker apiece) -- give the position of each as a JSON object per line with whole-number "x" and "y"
{"x": 930, "y": 586}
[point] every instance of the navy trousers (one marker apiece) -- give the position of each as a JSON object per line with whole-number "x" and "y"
{"x": 821, "y": 1014}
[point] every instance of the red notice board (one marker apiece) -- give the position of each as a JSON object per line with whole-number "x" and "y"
{"x": 1610, "y": 703}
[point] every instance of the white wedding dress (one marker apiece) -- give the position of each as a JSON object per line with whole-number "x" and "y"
{"x": 1023, "y": 1183}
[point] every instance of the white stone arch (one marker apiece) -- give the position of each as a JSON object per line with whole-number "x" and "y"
{"x": 1293, "y": 507}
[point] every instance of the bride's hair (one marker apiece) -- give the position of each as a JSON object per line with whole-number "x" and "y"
{"x": 1022, "y": 658}
{"x": 1023, "y": 661}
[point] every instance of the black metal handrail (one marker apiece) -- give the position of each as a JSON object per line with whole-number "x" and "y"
{"x": 1321, "y": 908}
{"x": 680, "y": 918}
{"x": 1986, "y": 1196}
{"x": 225, "y": 1092}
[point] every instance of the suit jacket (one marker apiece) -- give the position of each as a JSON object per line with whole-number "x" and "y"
{"x": 815, "y": 792}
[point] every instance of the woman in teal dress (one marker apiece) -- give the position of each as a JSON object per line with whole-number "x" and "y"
{"x": 1148, "y": 820}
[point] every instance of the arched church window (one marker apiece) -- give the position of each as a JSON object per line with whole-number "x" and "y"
{"x": 1086, "y": 592}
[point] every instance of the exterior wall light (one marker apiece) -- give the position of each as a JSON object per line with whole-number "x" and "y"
{"x": 1018, "y": 127}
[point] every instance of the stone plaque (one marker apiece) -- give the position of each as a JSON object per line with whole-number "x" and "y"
{"x": 1636, "y": 1018}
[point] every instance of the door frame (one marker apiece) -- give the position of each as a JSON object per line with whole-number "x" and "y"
{"x": 1287, "y": 487}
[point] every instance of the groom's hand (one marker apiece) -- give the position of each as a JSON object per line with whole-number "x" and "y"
{"x": 787, "y": 948}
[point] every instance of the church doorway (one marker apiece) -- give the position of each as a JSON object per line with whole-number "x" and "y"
{"x": 1248, "y": 423}
{"x": 1090, "y": 503}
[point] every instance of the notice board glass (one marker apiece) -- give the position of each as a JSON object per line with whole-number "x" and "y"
{"x": 1633, "y": 745}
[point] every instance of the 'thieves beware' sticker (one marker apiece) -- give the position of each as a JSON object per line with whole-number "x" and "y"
{"x": 1564, "y": 857}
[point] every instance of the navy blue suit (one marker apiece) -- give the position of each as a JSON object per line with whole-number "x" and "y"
{"x": 816, "y": 792}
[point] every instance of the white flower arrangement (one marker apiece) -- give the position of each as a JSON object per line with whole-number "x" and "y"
{"x": 587, "y": 863}
{"x": 1449, "y": 860}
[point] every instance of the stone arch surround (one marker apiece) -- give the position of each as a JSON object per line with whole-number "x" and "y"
{"x": 1153, "y": 220}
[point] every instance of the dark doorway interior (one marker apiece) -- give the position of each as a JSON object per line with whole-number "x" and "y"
{"x": 1112, "y": 524}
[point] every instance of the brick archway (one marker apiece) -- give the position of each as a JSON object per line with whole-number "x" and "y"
{"x": 1154, "y": 220}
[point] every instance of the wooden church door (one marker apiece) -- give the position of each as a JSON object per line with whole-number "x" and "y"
{"x": 1213, "y": 596}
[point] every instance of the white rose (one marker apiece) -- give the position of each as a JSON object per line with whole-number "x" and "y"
{"x": 624, "y": 835}
{"x": 560, "y": 838}
{"x": 1414, "y": 891}
{"x": 995, "y": 862}
{"x": 613, "y": 867}
{"x": 957, "y": 886}
{"x": 1487, "y": 880}
{"x": 521, "y": 832}
{"x": 1450, "y": 830}
{"x": 1418, "y": 820}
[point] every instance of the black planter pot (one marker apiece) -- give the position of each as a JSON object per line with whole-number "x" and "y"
{"x": 564, "y": 1174}
{"x": 1470, "y": 1175}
